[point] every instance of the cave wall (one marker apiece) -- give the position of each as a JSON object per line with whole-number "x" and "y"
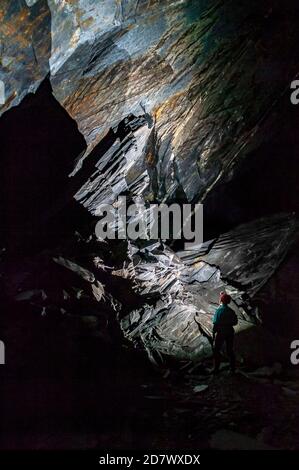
{"x": 210, "y": 75}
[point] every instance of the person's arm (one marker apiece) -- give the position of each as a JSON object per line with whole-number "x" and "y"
{"x": 214, "y": 333}
{"x": 215, "y": 323}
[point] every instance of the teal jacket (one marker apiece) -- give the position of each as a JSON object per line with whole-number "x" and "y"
{"x": 224, "y": 317}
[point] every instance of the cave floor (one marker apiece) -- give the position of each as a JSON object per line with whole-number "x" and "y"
{"x": 66, "y": 389}
{"x": 233, "y": 412}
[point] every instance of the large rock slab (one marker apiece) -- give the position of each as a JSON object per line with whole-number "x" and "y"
{"x": 182, "y": 290}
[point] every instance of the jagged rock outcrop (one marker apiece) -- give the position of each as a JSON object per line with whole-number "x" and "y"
{"x": 188, "y": 285}
{"x": 208, "y": 74}
{"x": 199, "y": 80}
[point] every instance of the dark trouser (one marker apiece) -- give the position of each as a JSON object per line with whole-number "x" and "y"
{"x": 227, "y": 337}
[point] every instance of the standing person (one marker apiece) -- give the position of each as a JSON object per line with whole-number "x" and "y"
{"x": 223, "y": 332}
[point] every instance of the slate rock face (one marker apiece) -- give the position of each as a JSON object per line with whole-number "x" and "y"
{"x": 122, "y": 168}
{"x": 25, "y": 48}
{"x": 188, "y": 285}
{"x": 208, "y": 73}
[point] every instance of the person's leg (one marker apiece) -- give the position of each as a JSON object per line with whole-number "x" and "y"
{"x": 217, "y": 351}
{"x": 230, "y": 350}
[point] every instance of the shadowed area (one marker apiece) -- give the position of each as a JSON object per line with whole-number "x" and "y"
{"x": 266, "y": 185}
{"x": 39, "y": 143}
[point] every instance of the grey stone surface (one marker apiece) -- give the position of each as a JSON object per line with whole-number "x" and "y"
{"x": 197, "y": 68}
{"x": 188, "y": 285}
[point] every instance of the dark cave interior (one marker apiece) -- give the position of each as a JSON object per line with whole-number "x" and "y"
{"x": 72, "y": 379}
{"x": 33, "y": 185}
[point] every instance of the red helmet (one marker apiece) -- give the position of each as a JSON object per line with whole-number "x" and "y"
{"x": 225, "y": 298}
